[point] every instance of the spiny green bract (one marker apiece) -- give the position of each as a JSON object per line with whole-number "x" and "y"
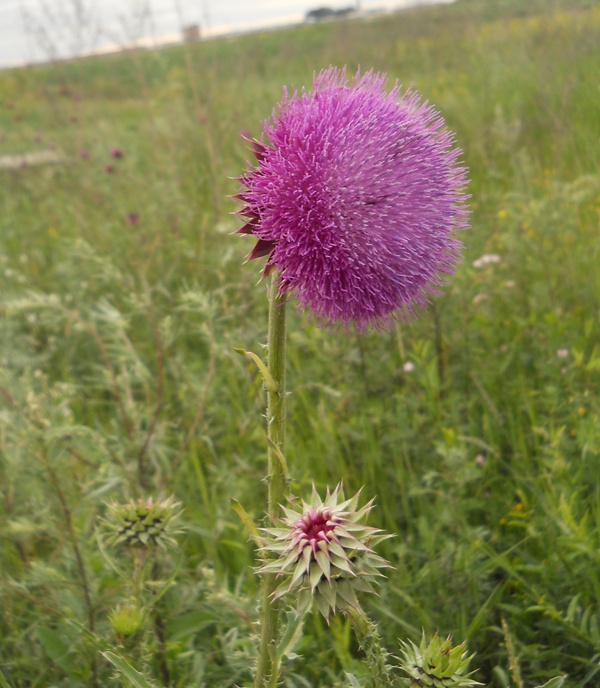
{"x": 324, "y": 552}
{"x": 436, "y": 664}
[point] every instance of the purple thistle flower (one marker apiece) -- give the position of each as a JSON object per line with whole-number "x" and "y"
{"x": 324, "y": 552}
{"x": 356, "y": 199}
{"x": 116, "y": 153}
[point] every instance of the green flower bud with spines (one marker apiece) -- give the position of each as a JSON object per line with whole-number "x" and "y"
{"x": 126, "y": 620}
{"x": 324, "y": 553}
{"x": 144, "y": 523}
{"x": 436, "y": 664}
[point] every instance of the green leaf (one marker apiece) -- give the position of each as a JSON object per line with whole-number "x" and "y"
{"x": 555, "y": 682}
{"x": 292, "y": 633}
{"x": 166, "y": 585}
{"x": 56, "y": 648}
{"x": 572, "y": 608}
{"x": 132, "y": 675}
{"x": 247, "y": 521}
{"x": 279, "y": 454}
{"x": 106, "y": 556}
{"x": 501, "y": 676}
{"x": 3, "y": 682}
{"x": 271, "y": 384}
{"x": 352, "y": 681}
{"x": 189, "y": 624}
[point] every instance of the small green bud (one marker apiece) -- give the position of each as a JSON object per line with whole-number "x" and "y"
{"x": 126, "y": 620}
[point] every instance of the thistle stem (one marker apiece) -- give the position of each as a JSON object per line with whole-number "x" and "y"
{"x": 370, "y": 643}
{"x": 267, "y": 668}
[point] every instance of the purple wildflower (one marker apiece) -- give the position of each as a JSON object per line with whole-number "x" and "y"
{"x": 356, "y": 199}
{"x": 324, "y": 551}
{"x": 116, "y": 153}
{"x": 132, "y": 218}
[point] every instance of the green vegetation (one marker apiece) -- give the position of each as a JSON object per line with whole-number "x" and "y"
{"x": 123, "y": 297}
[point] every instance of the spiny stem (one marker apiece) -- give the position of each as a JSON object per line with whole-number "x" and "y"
{"x": 370, "y": 643}
{"x": 276, "y": 406}
{"x": 267, "y": 666}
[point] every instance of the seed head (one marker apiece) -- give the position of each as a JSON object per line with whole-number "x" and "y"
{"x": 323, "y": 551}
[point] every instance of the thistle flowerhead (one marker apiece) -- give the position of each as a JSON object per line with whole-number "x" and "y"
{"x": 356, "y": 199}
{"x": 436, "y": 664}
{"x": 144, "y": 523}
{"x": 324, "y": 552}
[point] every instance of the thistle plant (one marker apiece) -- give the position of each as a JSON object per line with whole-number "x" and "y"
{"x": 355, "y": 200}
{"x": 141, "y": 528}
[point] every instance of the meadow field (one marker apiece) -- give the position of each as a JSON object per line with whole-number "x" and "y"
{"x": 123, "y": 296}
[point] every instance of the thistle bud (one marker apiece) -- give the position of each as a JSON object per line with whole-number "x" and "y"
{"x": 324, "y": 552}
{"x": 126, "y": 620}
{"x": 144, "y": 523}
{"x": 436, "y": 664}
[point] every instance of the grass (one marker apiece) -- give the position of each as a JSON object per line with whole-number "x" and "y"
{"x": 118, "y": 375}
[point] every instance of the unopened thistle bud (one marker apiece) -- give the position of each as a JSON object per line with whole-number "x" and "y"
{"x": 324, "y": 552}
{"x": 127, "y": 620}
{"x": 144, "y": 523}
{"x": 436, "y": 664}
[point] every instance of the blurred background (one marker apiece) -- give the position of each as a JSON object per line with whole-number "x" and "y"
{"x": 38, "y": 30}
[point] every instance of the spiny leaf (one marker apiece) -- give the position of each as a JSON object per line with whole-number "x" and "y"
{"x": 132, "y": 675}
